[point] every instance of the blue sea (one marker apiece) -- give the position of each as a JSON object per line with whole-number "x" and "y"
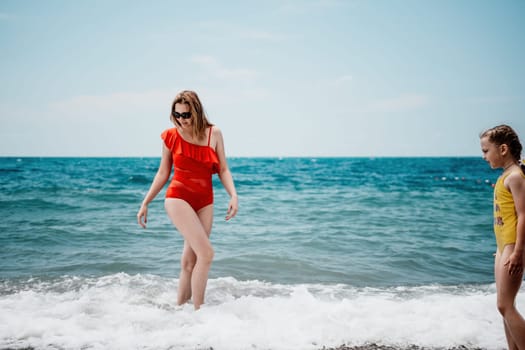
{"x": 323, "y": 252}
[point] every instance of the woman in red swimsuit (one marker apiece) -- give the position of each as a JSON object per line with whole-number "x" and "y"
{"x": 195, "y": 149}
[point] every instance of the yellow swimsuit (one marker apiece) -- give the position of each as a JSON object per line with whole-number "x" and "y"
{"x": 505, "y": 218}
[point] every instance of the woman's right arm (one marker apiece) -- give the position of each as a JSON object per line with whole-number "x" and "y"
{"x": 158, "y": 183}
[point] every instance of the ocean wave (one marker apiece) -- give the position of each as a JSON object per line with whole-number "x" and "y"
{"x": 140, "y": 312}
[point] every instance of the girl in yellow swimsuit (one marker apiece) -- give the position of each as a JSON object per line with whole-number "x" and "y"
{"x": 501, "y": 148}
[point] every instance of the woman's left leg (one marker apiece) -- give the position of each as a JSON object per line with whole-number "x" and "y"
{"x": 189, "y": 258}
{"x": 196, "y": 237}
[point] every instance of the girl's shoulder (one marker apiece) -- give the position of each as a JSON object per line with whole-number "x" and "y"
{"x": 518, "y": 173}
{"x": 515, "y": 178}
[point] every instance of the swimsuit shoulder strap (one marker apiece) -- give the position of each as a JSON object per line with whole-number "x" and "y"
{"x": 209, "y": 136}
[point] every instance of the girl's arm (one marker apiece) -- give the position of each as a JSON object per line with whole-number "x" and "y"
{"x": 516, "y": 185}
{"x": 158, "y": 183}
{"x": 225, "y": 174}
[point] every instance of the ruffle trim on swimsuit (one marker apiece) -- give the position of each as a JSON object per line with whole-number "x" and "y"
{"x": 201, "y": 154}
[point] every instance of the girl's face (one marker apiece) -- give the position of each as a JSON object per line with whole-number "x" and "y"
{"x": 492, "y": 153}
{"x": 183, "y": 115}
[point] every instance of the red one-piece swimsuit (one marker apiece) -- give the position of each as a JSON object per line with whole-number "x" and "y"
{"x": 193, "y": 167}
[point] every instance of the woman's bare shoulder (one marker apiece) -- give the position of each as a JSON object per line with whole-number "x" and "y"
{"x": 216, "y": 131}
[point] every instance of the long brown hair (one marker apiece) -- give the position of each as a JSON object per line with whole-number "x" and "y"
{"x": 199, "y": 120}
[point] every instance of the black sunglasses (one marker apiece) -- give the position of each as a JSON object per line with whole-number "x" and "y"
{"x": 184, "y": 115}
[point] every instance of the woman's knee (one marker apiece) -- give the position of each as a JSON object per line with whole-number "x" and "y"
{"x": 187, "y": 264}
{"x": 504, "y": 307}
{"x": 206, "y": 255}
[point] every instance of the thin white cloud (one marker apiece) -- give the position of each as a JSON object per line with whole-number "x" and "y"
{"x": 263, "y": 36}
{"x": 116, "y": 104}
{"x": 296, "y": 7}
{"x": 219, "y": 30}
{"x": 344, "y": 78}
{"x": 6, "y": 16}
{"x": 481, "y": 100}
{"x": 204, "y": 60}
{"x": 218, "y": 70}
{"x": 404, "y": 102}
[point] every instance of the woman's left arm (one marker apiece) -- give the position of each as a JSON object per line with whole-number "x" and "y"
{"x": 225, "y": 174}
{"x": 516, "y": 185}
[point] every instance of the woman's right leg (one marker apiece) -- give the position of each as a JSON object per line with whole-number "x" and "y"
{"x": 187, "y": 263}
{"x": 189, "y": 259}
{"x": 196, "y": 239}
{"x": 507, "y": 289}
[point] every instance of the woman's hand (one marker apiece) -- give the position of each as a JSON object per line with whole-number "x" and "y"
{"x": 233, "y": 207}
{"x": 515, "y": 263}
{"x": 142, "y": 216}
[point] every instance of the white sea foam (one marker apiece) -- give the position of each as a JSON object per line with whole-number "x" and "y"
{"x": 139, "y": 312}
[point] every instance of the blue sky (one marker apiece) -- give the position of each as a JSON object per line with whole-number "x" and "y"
{"x": 280, "y": 78}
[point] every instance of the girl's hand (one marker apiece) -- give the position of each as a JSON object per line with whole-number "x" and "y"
{"x": 515, "y": 263}
{"x": 142, "y": 216}
{"x": 233, "y": 207}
